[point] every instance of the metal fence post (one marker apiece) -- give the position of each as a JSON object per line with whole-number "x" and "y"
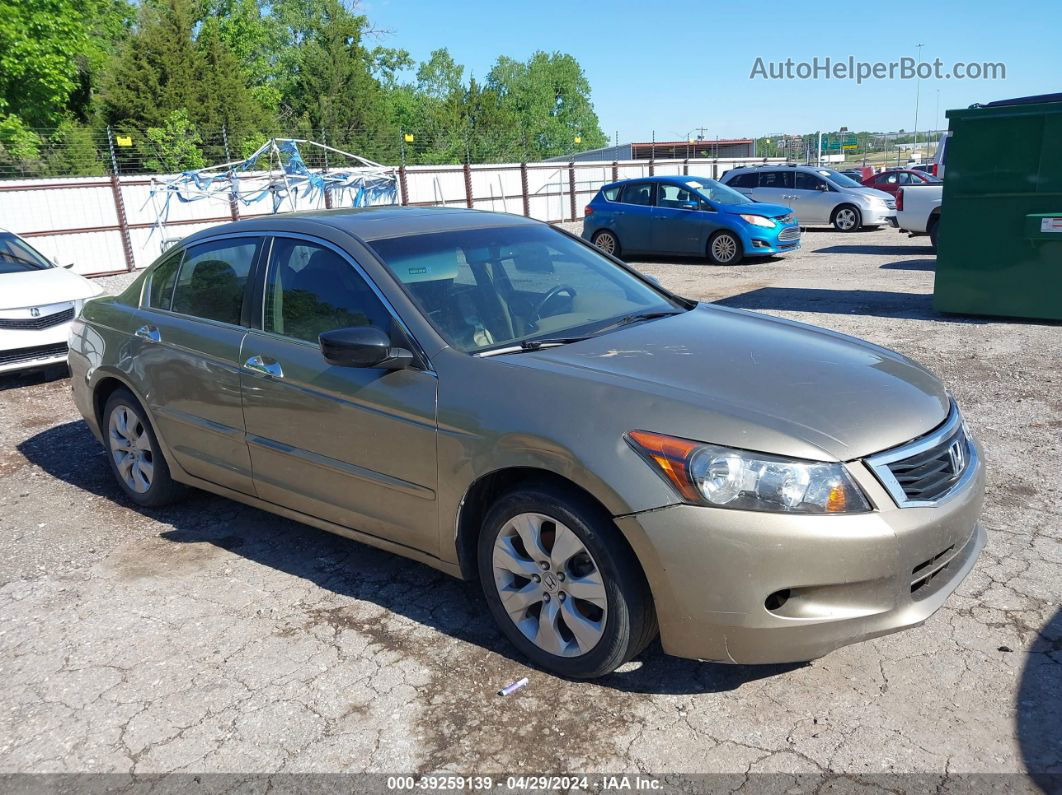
{"x": 524, "y": 189}
{"x": 468, "y": 185}
{"x": 403, "y": 188}
{"x": 615, "y": 171}
{"x": 571, "y": 186}
{"x": 234, "y": 208}
{"x": 686, "y": 167}
{"x": 119, "y": 207}
{"x": 327, "y": 188}
{"x": 715, "y": 169}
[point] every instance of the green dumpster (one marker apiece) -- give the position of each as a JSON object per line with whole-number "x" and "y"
{"x": 999, "y": 245}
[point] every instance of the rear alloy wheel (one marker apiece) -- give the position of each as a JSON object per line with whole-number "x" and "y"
{"x": 725, "y": 249}
{"x": 847, "y": 219}
{"x": 562, "y": 584}
{"x": 607, "y": 242}
{"x": 134, "y": 455}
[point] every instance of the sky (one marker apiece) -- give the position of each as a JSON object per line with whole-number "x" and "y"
{"x": 673, "y": 67}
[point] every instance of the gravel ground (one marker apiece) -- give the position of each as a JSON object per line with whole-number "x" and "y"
{"x": 210, "y": 636}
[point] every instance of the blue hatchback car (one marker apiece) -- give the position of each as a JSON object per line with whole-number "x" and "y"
{"x": 693, "y": 216}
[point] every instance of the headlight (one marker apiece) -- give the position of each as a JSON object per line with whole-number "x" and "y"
{"x": 724, "y": 477}
{"x": 757, "y": 220}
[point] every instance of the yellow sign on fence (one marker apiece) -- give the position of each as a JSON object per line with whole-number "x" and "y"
{"x": 124, "y": 140}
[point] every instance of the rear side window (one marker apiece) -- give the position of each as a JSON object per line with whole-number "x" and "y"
{"x": 805, "y": 181}
{"x": 776, "y": 179}
{"x": 744, "y": 179}
{"x": 637, "y": 193}
{"x": 213, "y": 277}
{"x": 611, "y": 193}
{"x": 163, "y": 276}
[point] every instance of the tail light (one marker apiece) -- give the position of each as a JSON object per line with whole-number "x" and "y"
{"x": 899, "y": 199}
{"x": 933, "y": 169}
{"x": 588, "y": 210}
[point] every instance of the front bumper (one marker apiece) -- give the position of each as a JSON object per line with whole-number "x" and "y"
{"x": 765, "y": 242}
{"x": 847, "y": 578}
{"x": 26, "y": 350}
{"x": 876, "y": 216}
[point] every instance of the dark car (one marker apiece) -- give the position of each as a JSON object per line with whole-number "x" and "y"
{"x": 691, "y": 216}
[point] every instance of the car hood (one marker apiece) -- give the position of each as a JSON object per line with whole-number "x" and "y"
{"x": 43, "y": 287}
{"x": 756, "y": 382}
{"x": 756, "y": 208}
{"x": 872, "y": 192}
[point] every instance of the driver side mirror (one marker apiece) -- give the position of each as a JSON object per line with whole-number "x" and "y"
{"x": 363, "y": 346}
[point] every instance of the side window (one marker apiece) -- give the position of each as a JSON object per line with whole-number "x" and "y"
{"x": 160, "y": 290}
{"x": 776, "y": 179}
{"x": 611, "y": 194}
{"x": 746, "y": 179}
{"x": 637, "y": 193}
{"x": 903, "y": 178}
{"x": 673, "y": 196}
{"x": 311, "y": 289}
{"x": 213, "y": 277}
{"x": 806, "y": 181}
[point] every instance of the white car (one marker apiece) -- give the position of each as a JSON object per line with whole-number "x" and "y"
{"x": 38, "y": 302}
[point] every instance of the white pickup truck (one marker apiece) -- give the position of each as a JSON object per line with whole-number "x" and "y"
{"x": 918, "y": 210}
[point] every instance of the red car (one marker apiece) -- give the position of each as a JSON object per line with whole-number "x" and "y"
{"x": 892, "y": 181}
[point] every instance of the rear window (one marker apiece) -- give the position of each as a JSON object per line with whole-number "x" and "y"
{"x": 163, "y": 276}
{"x": 776, "y": 179}
{"x": 611, "y": 193}
{"x": 213, "y": 277}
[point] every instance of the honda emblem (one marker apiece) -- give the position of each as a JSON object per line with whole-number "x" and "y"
{"x": 35, "y": 312}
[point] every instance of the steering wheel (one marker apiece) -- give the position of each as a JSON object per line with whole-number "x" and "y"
{"x": 553, "y": 293}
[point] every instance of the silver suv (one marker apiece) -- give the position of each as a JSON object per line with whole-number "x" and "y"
{"x": 818, "y": 196}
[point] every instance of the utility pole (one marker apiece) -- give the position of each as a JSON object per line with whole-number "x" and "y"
{"x": 918, "y": 92}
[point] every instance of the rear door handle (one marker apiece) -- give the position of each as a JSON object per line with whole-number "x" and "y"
{"x": 260, "y": 364}
{"x": 149, "y": 333}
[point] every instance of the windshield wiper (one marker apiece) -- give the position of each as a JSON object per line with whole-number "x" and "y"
{"x": 532, "y": 345}
{"x": 636, "y": 318}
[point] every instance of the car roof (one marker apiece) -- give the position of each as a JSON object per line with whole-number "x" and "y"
{"x": 672, "y": 178}
{"x": 371, "y": 223}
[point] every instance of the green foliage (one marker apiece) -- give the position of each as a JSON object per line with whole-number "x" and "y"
{"x": 18, "y": 144}
{"x": 173, "y": 74}
{"x": 174, "y": 146}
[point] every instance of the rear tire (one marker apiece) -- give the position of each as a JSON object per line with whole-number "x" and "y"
{"x": 562, "y": 584}
{"x": 134, "y": 454}
{"x": 607, "y": 241}
{"x": 847, "y": 218}
{"x": 724, "y": 248}
{"x": 934, "y": 222}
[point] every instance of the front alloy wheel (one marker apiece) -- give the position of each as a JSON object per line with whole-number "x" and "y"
{"x": 846, "y": 219}
{"x": 131, "y": 448}
{"x": 724, "y": 249}
{"x": 562, "y": 583}
{"x": 550, "y": 585}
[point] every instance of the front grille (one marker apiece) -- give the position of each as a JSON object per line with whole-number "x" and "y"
{"x": 32, "y": 354}
{"x": 37, "y": 323}
{"x": 790, "y": 233}
{"x": 923, "y": 471}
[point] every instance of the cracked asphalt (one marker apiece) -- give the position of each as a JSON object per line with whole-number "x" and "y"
{"x": 209, "y": 636}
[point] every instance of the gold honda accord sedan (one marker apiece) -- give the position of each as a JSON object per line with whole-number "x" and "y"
{"x": 500, "y": 400}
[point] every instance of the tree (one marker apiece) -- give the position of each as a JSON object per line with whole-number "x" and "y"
{"x": 174, "y": 145}
{"x": 550, "y": 96}
{"x": 39, "y": 43}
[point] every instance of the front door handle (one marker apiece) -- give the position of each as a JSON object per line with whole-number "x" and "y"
{"x": 149, "y": 333}
{"x": 265, "y": 366}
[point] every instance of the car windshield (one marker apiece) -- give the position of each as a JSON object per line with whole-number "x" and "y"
{"x": 717, "y": 192}
{"x": 494, "y": 288}
{"x": 17, "y": 257}
{"x": 838, "y": 178}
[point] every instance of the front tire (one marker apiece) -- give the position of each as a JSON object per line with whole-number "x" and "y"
{"x": 562, "y": 584}
{"x": 607, "y": 241}
{"x": 847, "y": 218}
{"x": 133, "y": 453}
{"x": 724, "y": 248}
{"x": 934, "y": 222}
